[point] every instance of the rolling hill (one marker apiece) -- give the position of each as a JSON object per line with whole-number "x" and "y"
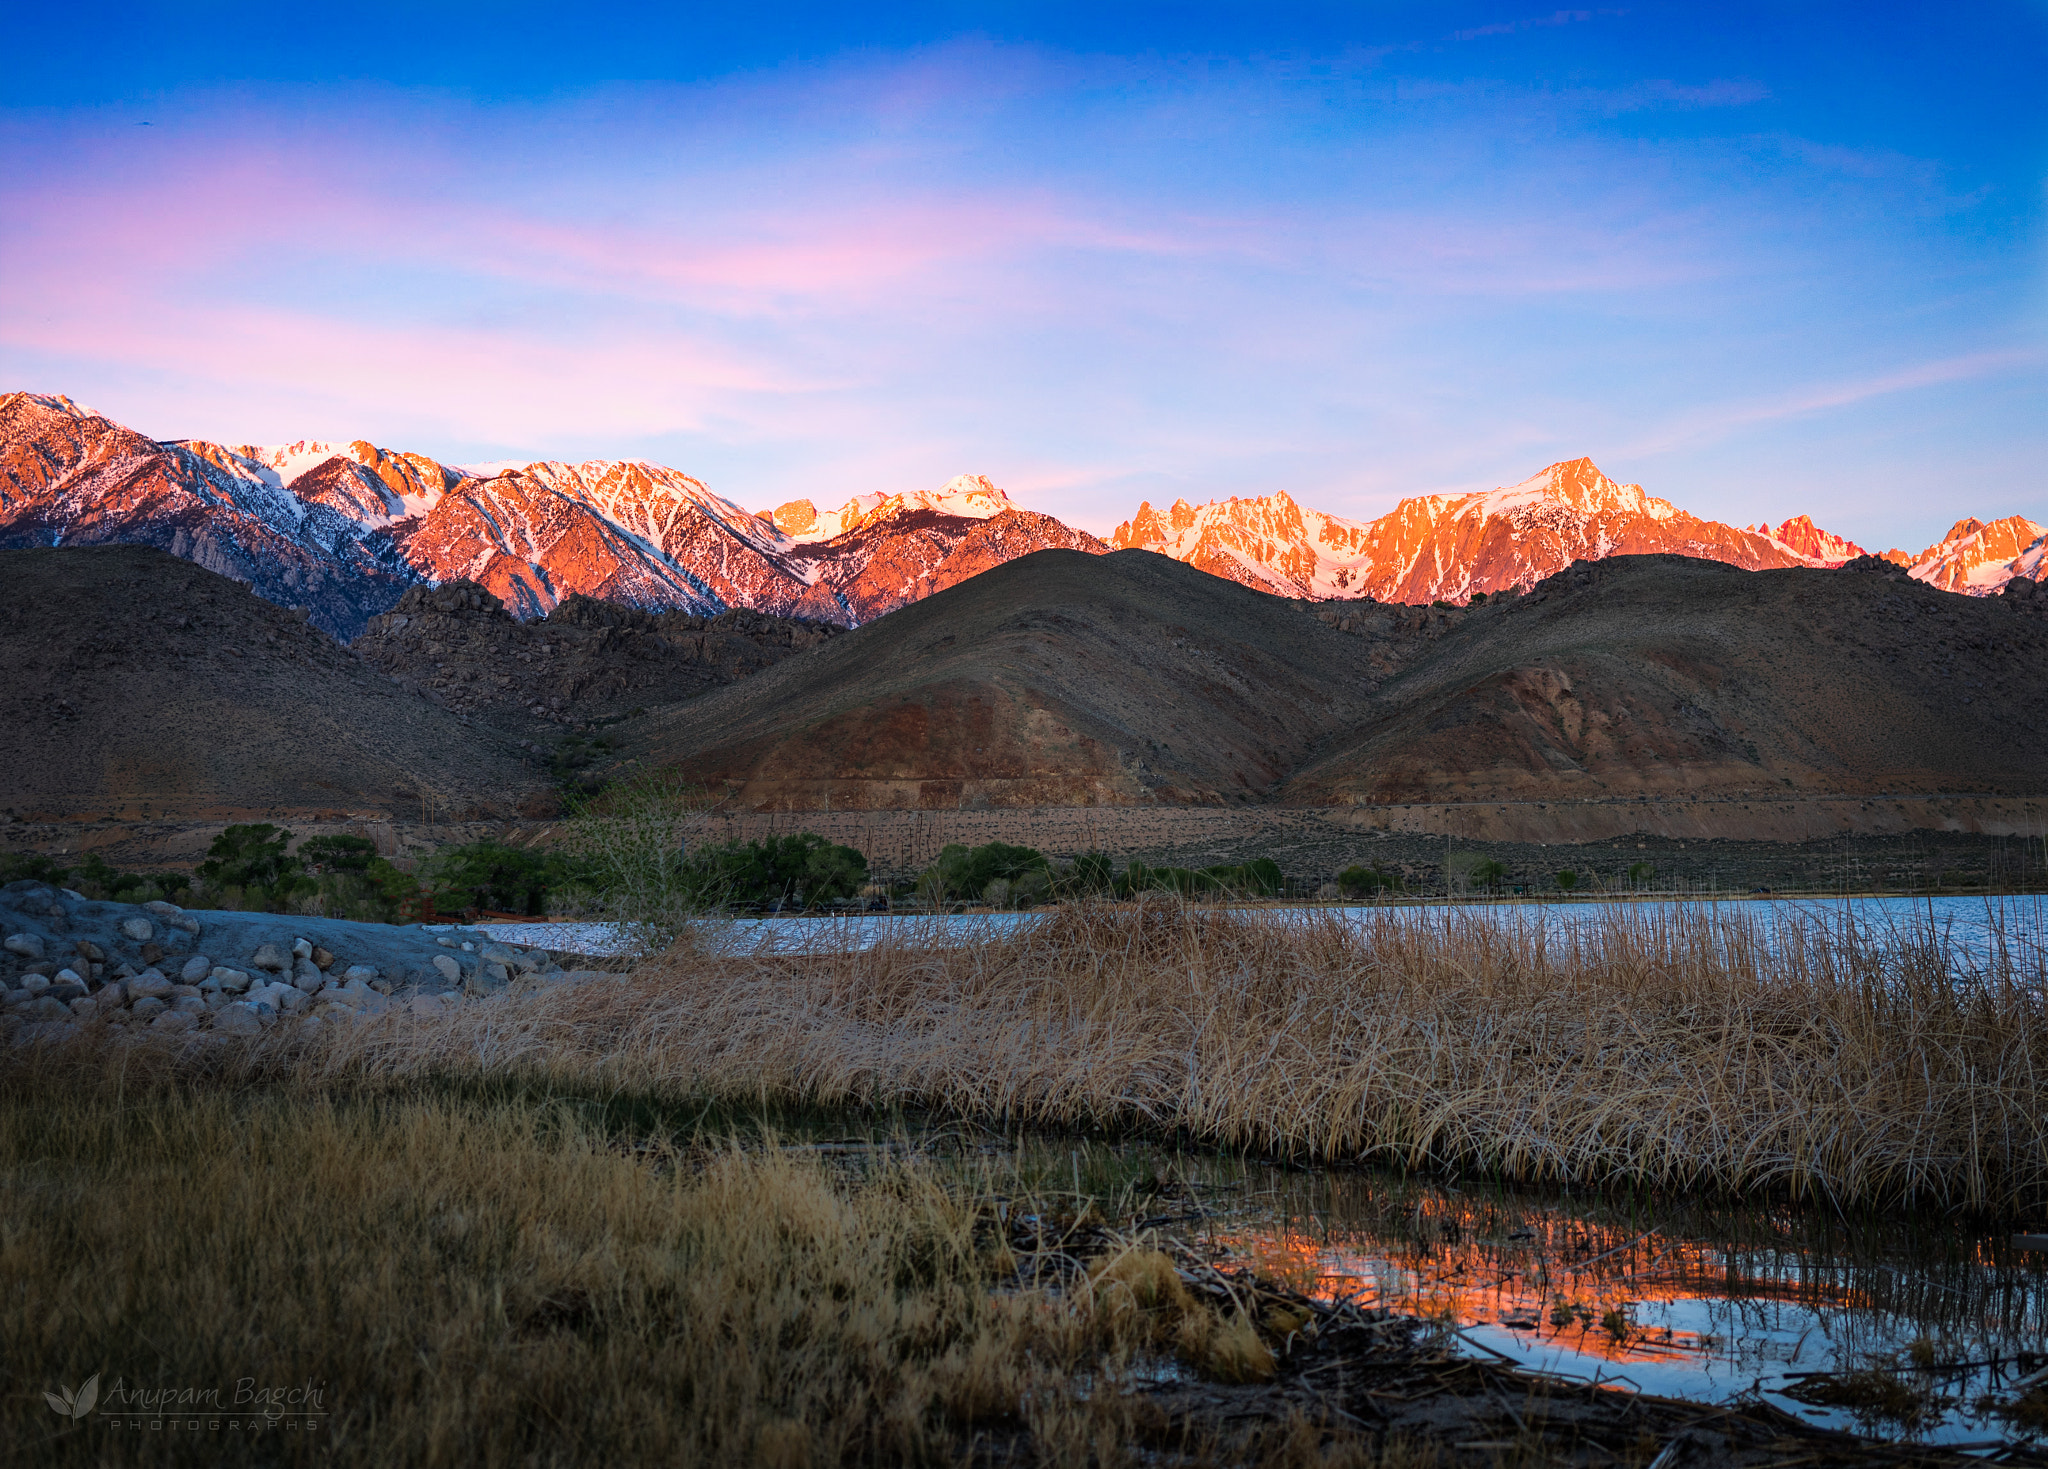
{"x": 1055, "y": 679}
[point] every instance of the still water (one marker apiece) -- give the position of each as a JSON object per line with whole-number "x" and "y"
{"x": 1970, "y": 933}
{"x": 1941, "y": 1321}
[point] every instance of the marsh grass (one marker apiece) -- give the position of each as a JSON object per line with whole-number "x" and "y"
{"x": 498, "y": 1280}
{"x": 1676, "y": 1050}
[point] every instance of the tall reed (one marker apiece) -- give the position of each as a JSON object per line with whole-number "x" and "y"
{"x": 1673, "y": 1048}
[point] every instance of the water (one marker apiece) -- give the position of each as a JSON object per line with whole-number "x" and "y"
{"x": 1972, "y": 933}
{"x": 1680, "y": 1301}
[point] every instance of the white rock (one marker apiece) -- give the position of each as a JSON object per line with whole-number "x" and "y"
{"x": 189, "y": 1005}
{"x": 70, "y": 976}
{"x": 28, "y": 945}
{"x": 302, "y": 948}
{"x": 162, "y": 909}
{"x": 147, "y": 1006}
{"x": 426, "y": 1006}
{"x": 234, "y": 981}
{"x": 237, "y": 1019}
{"x": 139, "y": 929}
{"x": 358, "y": 972}
{"x": 450, "y": 970}
{"x": 35, "y": 984}
{"x": 196, "y": 968}
{"x": 173, "y": 1020}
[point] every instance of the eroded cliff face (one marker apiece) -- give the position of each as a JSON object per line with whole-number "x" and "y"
{"x": 1447, "y": 547}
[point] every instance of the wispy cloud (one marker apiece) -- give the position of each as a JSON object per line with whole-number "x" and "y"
{"x": 1723, "y": 421}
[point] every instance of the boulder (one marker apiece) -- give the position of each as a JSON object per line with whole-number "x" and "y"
{"x": 35, "y": 984}
{"x": 450, "y": 970}
{"x": 162, "y": 909}
{"x": 270, "y": 956}
{"x": 89, "y": 951}
{"x": 148, "y": 1006}
{"x": 139, "y": 929}
{"x": 47, "y": 1007}
{"x": 306, "y": 974}
{"x": 196, "y": 968}
{"x": 174, "y": 1020}
{"x": 322, "y": 959}
{"x": 361, "y": 972}
{"x": 234, "y": 981}
{"x": 237, "y": 1019}
{"x": 148, "y": 985}
{"x": 188, "y": 1005}
{"x": 69, "y": 976}
{"x": 302, "y": 948}
{"x": 65, "y": 992}
{"x": 28, "y": 945}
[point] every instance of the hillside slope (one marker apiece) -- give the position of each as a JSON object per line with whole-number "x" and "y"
{"x": 1660, "y": 675}
{"x": 1060, "y": 678}
{"x": 135, "y": 683}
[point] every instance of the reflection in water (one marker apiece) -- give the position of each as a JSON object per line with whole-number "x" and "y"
{"x": 1921, "y": 1328}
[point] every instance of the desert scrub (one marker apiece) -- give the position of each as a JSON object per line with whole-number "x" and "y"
{"x": 478, "y": 1282}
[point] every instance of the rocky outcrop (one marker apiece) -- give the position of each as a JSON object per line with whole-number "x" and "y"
{"x": 67, "y": 963}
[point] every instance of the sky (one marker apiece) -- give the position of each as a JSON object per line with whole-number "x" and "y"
{"x": 1762, "y": 259}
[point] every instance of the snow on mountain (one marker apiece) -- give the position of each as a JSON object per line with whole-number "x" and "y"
{"x": 355, "y": 524}
{"x": 1433, "y": 547}
{"x": 1980, "y": 558}
{"x": 1448, "y": 547}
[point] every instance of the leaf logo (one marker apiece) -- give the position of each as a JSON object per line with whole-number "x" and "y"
{"x": 74, "y": 1406}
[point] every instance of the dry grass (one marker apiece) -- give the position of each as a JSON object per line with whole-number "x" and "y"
{"x": 1669, "y": 1049}
{"x": 496, "y": 1282}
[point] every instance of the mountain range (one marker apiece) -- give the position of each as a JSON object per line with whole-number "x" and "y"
{"x": 1432, "y": 548}
{"x": 344, "y": 529}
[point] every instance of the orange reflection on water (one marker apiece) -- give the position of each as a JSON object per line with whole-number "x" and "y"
{"x": 1563, "y": 1279}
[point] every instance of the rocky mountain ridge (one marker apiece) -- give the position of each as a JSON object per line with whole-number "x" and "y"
{"x": 1448, "y": 547}
{"x": 344, "y": 529}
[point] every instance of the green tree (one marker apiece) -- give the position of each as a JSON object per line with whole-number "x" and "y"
{"x": 802, "y": 870}
{"x": 491, "y": 875}
{"x": 1567, "y": 880}
{"x": 32, "y": 867}
{"x": 339, "y": 853}
{"x": 255, "y": 859}
{"x": 1640, "y": 873}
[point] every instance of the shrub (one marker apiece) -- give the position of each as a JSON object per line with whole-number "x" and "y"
{"x": 1641, "y": 872}
{"x": 1366, "y": 881}
{"x": 802, "y": 870}
{"x": 964, "y": 872}
{"x": 32, "y": 867}
{"x": 1567, "y": 880}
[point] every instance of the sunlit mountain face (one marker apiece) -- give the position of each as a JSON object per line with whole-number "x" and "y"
{"x": 1448, "y": 547}
{"x": 344, "y": 528}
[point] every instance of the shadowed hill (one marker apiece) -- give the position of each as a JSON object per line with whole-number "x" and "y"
{"x": 132, "y": 682}
{"x": 1660, "y": 675}
{"x": 1060, "y": 678}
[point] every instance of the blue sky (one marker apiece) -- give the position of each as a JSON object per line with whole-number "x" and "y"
{"x": 1762, "y": 259}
